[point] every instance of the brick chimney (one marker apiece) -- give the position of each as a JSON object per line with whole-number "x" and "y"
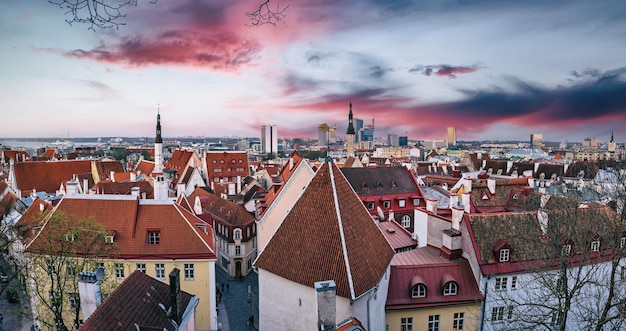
{"x": 326, "y": 305}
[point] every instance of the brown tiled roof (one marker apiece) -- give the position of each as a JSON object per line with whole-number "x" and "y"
{"x": 397, "y": 236}
{"x": 48, "y": 176}
{"x": 144, "y": 167}
{"x": 433, "y": 271}
{"x": 108, "y": 187}
{"x": 226, "y": 160}
{"x": 481, "y": 197}
{"x": 381, "y": 181}
{"x": 132, "y": 220}
{"x": 520, "y": 167}
{"x": 589, "y": 168}
{"x": 11, "y": 154}
{"x": 33, "y": 216}
{"x": 230, "y": 212}
{"x": 328, "y": 234}
{"x": 549, "y": 169}
{"x": 179, "y": 160}
{"x": 135, "y": 303}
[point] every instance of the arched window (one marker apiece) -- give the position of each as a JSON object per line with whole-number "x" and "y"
{"x": 237, "y": 234}
{"x": 418, "y": 291}
{"x": 406, "y": 221}
{"x": 450, "y": 288}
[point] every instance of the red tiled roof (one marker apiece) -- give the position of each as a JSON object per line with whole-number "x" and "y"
{"x": 229, "y": 212}
{"x": 328, "y": 234}
{"x": 10, "y": 154}
{"x": 434, "y": 271}
{"x": 132, "y": 220}
{"x": 144, "y": 167}
{"x": 48, "y": 176}
{"x": 108, "y": 187}
{"x": 226, "y": 161}
{"x": 135, "y": 302}
{"x": 51, "y": 154}
{"x": 32, "y": 216}
{"x": 179, "y": 160}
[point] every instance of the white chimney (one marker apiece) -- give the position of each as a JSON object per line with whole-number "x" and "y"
{"x": 71, "y": 187}
{"x": 509, "y": 165}
{"x": 197, "y": 206}
{"x": 41, "y": 207}
{"x": 85, "y": 186}
{"x": 466, "y": 201}
{"x": 238, "y": 184}
{"x": 391, "y": 216}
{"x": 135, "y": 191}
{"x": 454, "y": 200}
{"x": 467, "y": 183}
{"x": 531, "y": 182}
{"x": 133, "y": 177}
{"x": 491, "y": 185}
{"x": 457, "y": 217}
{"x": 431, "y": 205}
{"x": 420, "y": 228}
{"x": 326, "y": 305}
{"x": 89, "y": 291}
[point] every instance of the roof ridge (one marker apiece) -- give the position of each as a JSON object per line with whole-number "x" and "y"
{"x": 341, "y": 233}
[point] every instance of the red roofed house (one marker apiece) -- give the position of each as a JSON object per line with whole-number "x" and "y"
{"x": 153, "y": 236}
{"x": 326, "y": 262}
{"x": 185, "y": 168}
{"x": 235, "y": 231}
{"x": 227, "y": 167}
{"x": 140, "y": 302}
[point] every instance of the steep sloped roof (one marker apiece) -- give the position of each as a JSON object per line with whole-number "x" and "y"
{"x": 108, "y": 187}
{"x": 144, "y": 167}
{"x": 381, "y": 181}
{"x": 135, "y": 303}
{"x": 179, "y": 160}
{"x": 328, "y": 234}
{"x": 131, "y": 219}
{"x": 47, "y": 176}
{"x": 230, "y": 212}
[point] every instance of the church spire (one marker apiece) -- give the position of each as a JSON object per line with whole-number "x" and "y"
{"x": 158, "y": 138}
{"x": 350, "y": 122}
{"x": 350, "y": 133}
{"x": 612, "y": 140}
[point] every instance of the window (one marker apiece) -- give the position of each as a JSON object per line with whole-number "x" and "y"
{"x": 595, "y": 246}
{"x": 119, "y": 270}
{"x": 622, "y": 242}
{"x": 457, "y": 322}
{"x": 418, "y": 291}
{"x": 501, "y": 313}
{"x": 513, "y": 282}
{"x": 159, "y": 271}
{"x": 189, "y": 271}
{"x": 566, "y": 250}
{"x": 154, "y": 237}
{"x": 74, "y": 300}
{"x": 224, "y": 263}
{"x": 237, "y": 250}
{"x": 70, "y": 268}
{"x": 69, "y": 237}
{"x": 401, "y": 203}
{"x": 386, "y": 204}
{"x": 406, "y": 324}
{"x": 250, "y": 264}
{"x": 504, "y": 255}
{"x": 433, "y": 323}
{"x": 217, "y": 169}
{"x": 406, "y": 221}
{"x": 370, "y": 206}
{"x": 237, "y": 234}
{"x": 416, "y": 202}
{"x": 141, "y": 267}
{"x": 253, "y": 243}
{"x": 501, "y": 283}
{"x": 450, "y": 288}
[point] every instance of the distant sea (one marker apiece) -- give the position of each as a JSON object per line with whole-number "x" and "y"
{"x": 32, "y": 144}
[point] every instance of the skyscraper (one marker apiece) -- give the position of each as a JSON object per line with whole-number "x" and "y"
{"x": 269, "y": 139}
{"x": 536, "y": 140}
{"x": 451, "y": 136}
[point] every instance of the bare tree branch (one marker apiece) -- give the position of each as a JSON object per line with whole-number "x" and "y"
{"x": 102, "y": 14}
{"x": 265, "y": 15}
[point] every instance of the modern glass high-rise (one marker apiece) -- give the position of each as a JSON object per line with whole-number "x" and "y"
{"x": 536, "y": 140}
{"x": 269, "y": 139}
{"x": 451, "y": 136}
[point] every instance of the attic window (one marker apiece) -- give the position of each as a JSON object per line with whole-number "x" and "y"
{"x": 505, "y": 255}
{"x": 370, "y": 206}
{"x": 595, "y": 246}
{"x": 451, "y": 288}
{"x": 418, "y": 291}
{"x": 154, "y": 237}
{"x": 240, "y": 161}
{"x": 233, "y": 161}
{"x": 401, "y": 203}
{"x": 515, "y": 196}
{"x": 485, "y": 196}
{"x": 387, "y": 204}
{"x": 566, "y": 250}
{"x": 69, "y": 237}
{"x": 622, "y": 242}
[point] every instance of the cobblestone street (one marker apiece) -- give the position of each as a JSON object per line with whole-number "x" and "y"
{"x": 239, "y": 302}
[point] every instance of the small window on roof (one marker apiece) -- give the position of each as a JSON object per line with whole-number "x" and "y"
{"x": 418, "y": 291}
{"x": 401, "y": 203}
{"x": 505, "y": 255}
{"x": 451, "y": 288}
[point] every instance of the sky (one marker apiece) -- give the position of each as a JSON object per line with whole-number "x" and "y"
{"x": 494, "y": 70}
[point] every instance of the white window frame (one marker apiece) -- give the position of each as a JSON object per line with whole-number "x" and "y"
{"x": 451, "y": 288}
{"x": 505, "y": 255}
{"x": 406, "y": 221}
{"x": 418, "y": 291}
{"x": 406, "y": 324}
{"x": 566, "y": 250}
{"x": 433, "y": 322}
{"x": 416, "y": 202}
{"x": 371, "y": 206}
{"x": 189, "y": 271}
{"x": 141, "y": 267}
{"x": 237, "y": 234}
{"x": 622, "y": 242}
{"x": 159, "y": 271}
{"x": 457, "y": 322}
{"x": 501, "y": 283}
{"x": 119, "y": 270}
{"x": 401, "y": 203}
{"x": 387, "y": 204}
{"x": 154, "y": 237}
{"x": 514, "y": 284}
{"x": 237, "y": 250}
{"x": 595, "y": 246}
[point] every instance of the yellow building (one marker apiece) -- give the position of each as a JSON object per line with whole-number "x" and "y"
{"x": 152, "y": 236}
{"x": 430, "y": 289}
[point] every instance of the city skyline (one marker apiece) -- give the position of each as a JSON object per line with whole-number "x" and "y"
{"x": 492, "y": 70}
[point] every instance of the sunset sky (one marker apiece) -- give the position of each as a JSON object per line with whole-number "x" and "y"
{"x": 495, "y": 70}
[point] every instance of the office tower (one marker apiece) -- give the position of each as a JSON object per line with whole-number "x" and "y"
{"x": 536, "y": 140}
{"x": 451, "y": 136}
{"x": 269, "y": 139}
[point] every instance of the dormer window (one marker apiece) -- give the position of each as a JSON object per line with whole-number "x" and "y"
{"x": 451, "y": 288}
{"x": 401, "y": 203}
{"x": 595, "y": 246}
{"x": 622, "y": 242}
{"x": 505, "y": 255}
{"x": 386, "y": 204}
{"x": 237, "y": 234}
{"x": 109, "y": 237}
{"x": 154, "y": 237}
{"x": 370, "y": 206}
{"x": 418, "y": 291}
{"x": 566, "y": 249}
{"x": 69, "y": 237}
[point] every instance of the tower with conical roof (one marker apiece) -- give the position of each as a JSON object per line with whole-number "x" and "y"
{"x": 612, "y": 146}
{"x": 160, "y": 184}
{"x": 350, "y": 133}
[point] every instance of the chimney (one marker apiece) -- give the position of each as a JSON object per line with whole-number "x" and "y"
{"x": 420, "y": 228}
{"x": 451, "y": 244}
{"x": 491, "y": 185}
{"x": 85, "y": 186}
{"x": 467, "y": 183}
{"x": 457, "y": 216}
{"x": 71, "y": 187}
{"x": 290, "y": 163}
{"x": 466, "y": 201}
{"x": 41, "y": 207}
{"x": 112, "y": 176}
{"x": 531, "y": 182}
{"x": 509, "y": 165}
{"x": 454, "y": 200}
{"x": 238, "y": 184}
{"x": 326, "y": 305}
{"x": 176, "y": 309}
{"x": 135, "y": 191}
{"x": 431, "y": 205}
{"x": 133, "y": 177}
{"x": 392, "y": 217}
{"x": 89, "y": 291}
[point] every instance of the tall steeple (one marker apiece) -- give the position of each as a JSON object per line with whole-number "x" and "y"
{"x": 612, "y": 145}
{"x": 160, "y": 184}
{"x": 350, "y": 133}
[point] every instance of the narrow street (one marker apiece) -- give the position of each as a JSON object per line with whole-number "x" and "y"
{"x": 240, "y": 301}
{"x": 13, "y": 315}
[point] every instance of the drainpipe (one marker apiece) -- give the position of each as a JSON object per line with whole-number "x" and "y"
{"x": 482, "y": 315}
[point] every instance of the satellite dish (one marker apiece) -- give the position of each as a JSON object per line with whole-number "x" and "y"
{"x": 100, "y": 273}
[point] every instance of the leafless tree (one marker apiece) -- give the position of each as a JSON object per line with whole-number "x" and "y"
{"x": 64, "y": 246}
{"x": 266, "y": 15}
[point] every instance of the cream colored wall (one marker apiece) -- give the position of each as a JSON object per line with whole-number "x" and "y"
{"x": 285, "y": 200}
{"x": 446, "y": 316}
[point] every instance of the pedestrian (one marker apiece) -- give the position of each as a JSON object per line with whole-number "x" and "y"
{"x": 228, "y": 288}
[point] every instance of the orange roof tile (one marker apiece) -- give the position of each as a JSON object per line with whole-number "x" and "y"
{"x": 144, "y": 167}
{"x": 328, "y": 234}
